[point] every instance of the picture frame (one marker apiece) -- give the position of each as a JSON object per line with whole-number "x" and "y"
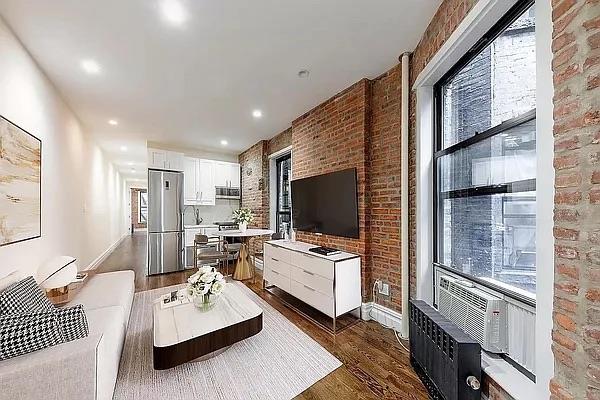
{"x": 20, "y": 184}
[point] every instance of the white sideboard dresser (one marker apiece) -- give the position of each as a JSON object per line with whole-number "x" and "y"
{"x": 330, "y": 284}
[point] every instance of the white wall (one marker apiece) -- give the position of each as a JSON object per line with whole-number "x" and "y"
{"x": 82, "y": 192}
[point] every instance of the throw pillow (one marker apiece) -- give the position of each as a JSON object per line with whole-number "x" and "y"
{"x": 24, "y": 297}
{"x": 24, "y": 333}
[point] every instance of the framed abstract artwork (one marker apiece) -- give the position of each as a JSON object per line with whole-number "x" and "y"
{"x": 20, "y": 184}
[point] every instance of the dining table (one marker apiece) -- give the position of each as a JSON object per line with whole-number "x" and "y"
{"x": 244, "y": 267}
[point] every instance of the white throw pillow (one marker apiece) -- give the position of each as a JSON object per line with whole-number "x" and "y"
{"x": 9, "y": 279}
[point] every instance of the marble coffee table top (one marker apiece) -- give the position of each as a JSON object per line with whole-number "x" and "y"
{"x": 184, "y": 322}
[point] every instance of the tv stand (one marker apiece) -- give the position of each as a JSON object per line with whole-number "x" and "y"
{"x": 325, "y": 251}
{"x": 324, "y": 289}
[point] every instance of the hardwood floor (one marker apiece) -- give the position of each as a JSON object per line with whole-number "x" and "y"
{"x": 374, "y": 364}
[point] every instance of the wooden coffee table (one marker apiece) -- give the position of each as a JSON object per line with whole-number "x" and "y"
{"x": 183, "y": 333}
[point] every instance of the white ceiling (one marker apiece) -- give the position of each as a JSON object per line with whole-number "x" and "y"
{"x": 194, "y": 84}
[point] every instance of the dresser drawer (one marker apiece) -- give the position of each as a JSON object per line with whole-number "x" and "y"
{"x": 312, "y": 297}
{"x": 278, "y": 253}
{"x": 313, "y": 264}
{"x": 278, "y": 266}
{"x": 277, "y": 279}
{"x": 312, "y": 280}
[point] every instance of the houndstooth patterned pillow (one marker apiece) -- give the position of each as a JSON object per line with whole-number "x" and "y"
{"x": 73, "y": 323}
{"x": 21, "y": 334}
{"x": 24, "y": 333}
{"x": 24, "y": 297}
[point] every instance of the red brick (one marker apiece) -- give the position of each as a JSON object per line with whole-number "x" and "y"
{"x": 594, "y": 41}
{"x": 565, "y": 322}
{"x": 562, "y": 8}
{"x": 564, "y": 341}
{"x": 569, "y": 198}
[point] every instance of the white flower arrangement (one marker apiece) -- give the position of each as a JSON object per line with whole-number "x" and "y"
{"x": 243, "y": 215}
{"x": 207, "y": 281}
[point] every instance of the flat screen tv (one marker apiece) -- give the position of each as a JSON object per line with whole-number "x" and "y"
{"x": 326, "y": 204}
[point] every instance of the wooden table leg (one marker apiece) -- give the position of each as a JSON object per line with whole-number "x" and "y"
{"x": 243, "y": 267}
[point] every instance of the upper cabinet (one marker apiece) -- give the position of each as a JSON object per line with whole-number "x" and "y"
{"x": 164, "y": 159}
{"x": 199, "y": 186}
{"x": 227, "y": 174}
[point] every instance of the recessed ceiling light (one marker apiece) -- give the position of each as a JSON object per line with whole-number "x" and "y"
{"x": 123, "y": 148}
{"x": 130, "y": 163}
{"x": 113, "y": 122}
{"x": 303, "y": 73}
{"x": 224, "y": 142}
{"x": 173, "y": 12}
{"x": 90, "y": 66}
{"x": 257, "y": 113}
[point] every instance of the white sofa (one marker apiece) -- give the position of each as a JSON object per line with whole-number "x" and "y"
{"x": 85, "y": 368}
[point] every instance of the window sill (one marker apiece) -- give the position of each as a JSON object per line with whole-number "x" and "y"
{"x": 508, "y": 377}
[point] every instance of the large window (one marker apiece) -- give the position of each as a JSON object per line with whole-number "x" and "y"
{"x": 485, "y": 160}
{"x": 283, "y": 214}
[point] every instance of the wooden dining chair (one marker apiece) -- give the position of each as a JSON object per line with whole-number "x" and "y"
{"x": 209, "y": 251}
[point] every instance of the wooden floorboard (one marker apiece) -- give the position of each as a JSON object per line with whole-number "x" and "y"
{"x": 374, "y": 366}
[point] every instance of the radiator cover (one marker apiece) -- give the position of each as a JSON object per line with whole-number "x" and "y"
{"x": 443, "y": 355}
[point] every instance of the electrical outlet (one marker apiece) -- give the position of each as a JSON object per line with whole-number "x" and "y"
{"x": 384, "y": 289}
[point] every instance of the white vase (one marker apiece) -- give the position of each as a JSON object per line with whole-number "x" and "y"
{"x": 243, "y": 226}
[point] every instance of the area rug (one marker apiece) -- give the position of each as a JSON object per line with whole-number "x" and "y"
{"x": 278, "y": 363}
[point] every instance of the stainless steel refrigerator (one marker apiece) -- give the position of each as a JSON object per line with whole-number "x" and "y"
{"x": 166, "y": 243}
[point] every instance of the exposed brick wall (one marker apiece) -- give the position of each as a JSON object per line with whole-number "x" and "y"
{"x": 576, "y": 67}
{"x": 281, "y": 141}
{"x": 332, "y": 137}
{"x": 255, "y": 179}
{"x": 255, "y": 182}
{"x": 383, "y": 187}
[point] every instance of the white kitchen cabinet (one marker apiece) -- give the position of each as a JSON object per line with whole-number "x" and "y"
{"x": 198, "y": 182}
{"x": 234, "y": 175}
{"x": 206, "y": 183}
{"x": 164, "y": 159}
{"x": 227, "y": 174}
{"x": 190, "y": 177}
{"x": 221, "y": 173}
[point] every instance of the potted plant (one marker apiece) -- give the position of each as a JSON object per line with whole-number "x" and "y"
{"x": 204, "y": 287}
{"x": 242, "y": 217}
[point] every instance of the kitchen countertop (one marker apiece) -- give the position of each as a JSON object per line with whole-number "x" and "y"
{"x": 200, "y": 226}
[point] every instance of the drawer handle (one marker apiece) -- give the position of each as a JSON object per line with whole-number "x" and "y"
{"x": 309, "y": 288}
{"x": 274, "y": 259}
{"x": 275, "y": 272}
{"x": 308, "y": 272}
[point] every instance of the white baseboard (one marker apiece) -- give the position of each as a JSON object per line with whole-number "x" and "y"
{"x": 381, "y": 314}
{"x": 106, "y": 253}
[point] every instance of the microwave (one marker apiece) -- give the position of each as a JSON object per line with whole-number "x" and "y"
{"x": 224, "y": 192}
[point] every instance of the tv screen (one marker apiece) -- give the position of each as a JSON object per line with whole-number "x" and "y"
{"x": 326, "y": 204}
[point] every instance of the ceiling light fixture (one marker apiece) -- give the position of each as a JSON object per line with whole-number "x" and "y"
{"x": 303, "y": 73}
{"x": 257, "y": 113}
{"x": 130, "y": 163}
{"x": 90, "y": 66}
{"x": 123, "y": 148}
{"x": 224, "y": 142}
{"x": 173, "y": 12}
{"x": 113, "y": 122}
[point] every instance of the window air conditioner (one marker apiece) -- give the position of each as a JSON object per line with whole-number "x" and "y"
{"x": 477, "y": 313}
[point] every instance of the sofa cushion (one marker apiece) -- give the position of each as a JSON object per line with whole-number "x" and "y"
{"x": 110, "y": 323}
{"x": 24, "y": 297}
{"x": 106, "y": 290}
{"x": 9, "y": 279}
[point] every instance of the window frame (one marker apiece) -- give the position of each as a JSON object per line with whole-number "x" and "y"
{"x": 510, "y": 187}
{"x": 278, "y": 212}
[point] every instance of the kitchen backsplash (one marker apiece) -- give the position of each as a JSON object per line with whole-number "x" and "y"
{"x": 221, "y": 211}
